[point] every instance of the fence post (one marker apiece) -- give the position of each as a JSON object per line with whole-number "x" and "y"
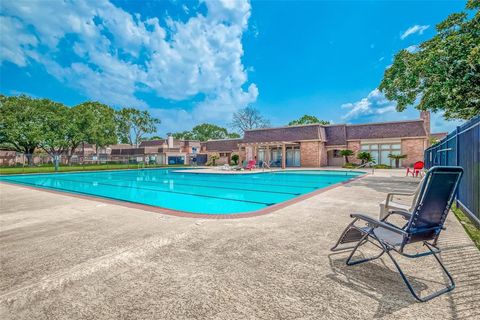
{"x": 457, "y": 149}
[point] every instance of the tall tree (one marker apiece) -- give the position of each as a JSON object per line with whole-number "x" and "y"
{"x": 248, "y": 118}
{"x": 55, "y": 127}
{"x": 444, "y": 73}
{"x": 204, "y": 132}
{"x": 308, "y": 119}
{"x": 133, "y": 124}
{"x": 184, "y": 135}
{"x": 100, "y": 128}
{"x": 20, "y": 124}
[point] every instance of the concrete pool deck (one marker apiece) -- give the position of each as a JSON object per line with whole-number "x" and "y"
{"x": 64, "y": 257}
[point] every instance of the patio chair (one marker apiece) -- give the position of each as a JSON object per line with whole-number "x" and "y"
{"x": 416, "y": 170}
{"x": 251, "y": 165}
{"x": 425, "y": 223}
{"x": 390, "y": 205}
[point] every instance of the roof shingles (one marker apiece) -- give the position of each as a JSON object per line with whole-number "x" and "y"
{"x": 297, "y": 133}
{"x": 404, "y": 129}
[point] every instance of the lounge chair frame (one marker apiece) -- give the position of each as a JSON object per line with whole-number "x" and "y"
{"x": 413, "y": 231}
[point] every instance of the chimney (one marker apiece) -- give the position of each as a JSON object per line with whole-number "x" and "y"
{"x": 425, "y": 116}
{"x": 170, "y": 141}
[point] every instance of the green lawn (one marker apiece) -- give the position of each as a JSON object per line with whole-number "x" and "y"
{"x": 89, "y": 167}
{"x": 468, "y": 225}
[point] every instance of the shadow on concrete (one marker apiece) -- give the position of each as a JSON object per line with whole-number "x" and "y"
{"x": 374, "y": 280}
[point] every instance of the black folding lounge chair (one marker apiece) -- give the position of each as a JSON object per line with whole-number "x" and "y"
{"x": 424, "y": 224}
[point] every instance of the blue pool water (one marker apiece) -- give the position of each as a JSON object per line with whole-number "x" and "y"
{"x": 191, "y": 192}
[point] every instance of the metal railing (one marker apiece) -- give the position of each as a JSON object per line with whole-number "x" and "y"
{"x": 371, "y": 163}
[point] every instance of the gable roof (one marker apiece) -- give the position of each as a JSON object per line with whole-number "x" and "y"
{"x": 153, "y": 143}
{"x": 293, "y": 133}
{"x": 222, "y": 145}
{"x": 400, "y": 129}
{"x": 336, "y": 134}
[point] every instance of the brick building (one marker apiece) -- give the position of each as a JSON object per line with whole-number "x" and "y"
{"x": 162, "y": 151}
{"x": 319, "y": 145}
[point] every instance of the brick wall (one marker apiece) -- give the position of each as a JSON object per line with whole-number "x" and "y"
{"x": 355, "y": 147}
{"x": 323, "y": 154}
{"x": 310, "y": 154}
{"x": 414, "y": 149}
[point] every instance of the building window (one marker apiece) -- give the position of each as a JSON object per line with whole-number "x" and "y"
{"x": 381, "y": 151}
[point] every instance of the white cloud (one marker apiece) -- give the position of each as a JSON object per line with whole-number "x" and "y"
{"x": 414, "y": 29}
{"x": 119, "y": 54}
{"x": 412, "y": 49}
{"x": 374, "y": 104}
{"x": 15, "y": 41}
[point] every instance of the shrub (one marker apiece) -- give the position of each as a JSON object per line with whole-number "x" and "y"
{"x": 214, "y": 157}
{"x": 382, "y": 166}
{"x": 349, "y": 165}
{"x": 346, "y": 153}
{"x": 397, "y": 158}
{"x": 365, "y": 157}
{"x": 235, "y": 158}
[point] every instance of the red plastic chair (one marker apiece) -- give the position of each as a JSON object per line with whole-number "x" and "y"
{"x": 417, "y": 169}
{"x": 251, "y": 165}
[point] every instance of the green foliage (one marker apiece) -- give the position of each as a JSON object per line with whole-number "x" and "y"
{"x": 382, "y": 166}
{"x": 365, "y": 157}
{"x": 184, "y": 135}
{"x": 349, "y": 165}
{"x": 87, "y": 167}
{"x": 433, "y": 141}
{"x": 204, "y": 132}
{"x": 21, "y": 124}
{"x": 233, "y": 135}
{"x": 235, "y": 157}
{"x": 152, "y": 138}
{"x": 470, "y": 228}
{"x": 55, "y": 126}
{"x": 397, "y": 158}
{"x": 213, "y": 157}
{"x": 99, "y": 126}
{"x": 133, "y": 124}
{"x": 346, "y": 153}
{"x": 308, "y": 119}
{"x": 444, "y": 74}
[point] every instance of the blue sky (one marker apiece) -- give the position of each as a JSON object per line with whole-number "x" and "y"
{"x": 193, "y": 62}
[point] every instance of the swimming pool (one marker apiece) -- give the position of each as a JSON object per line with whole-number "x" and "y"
{"x": 193, "y": 192}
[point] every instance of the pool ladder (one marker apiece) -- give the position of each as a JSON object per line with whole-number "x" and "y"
{"x": 362, "y": 166}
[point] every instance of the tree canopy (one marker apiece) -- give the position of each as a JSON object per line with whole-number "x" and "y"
{"x": 133, "y": 124}
{"x": 21, "y": 124}
{"x": 307, "y": 119}
{"x": 248, "y": 118}
{"x": 100, "y": 127}
{"x": 444, "y": 73}
{"x": 204, "y": 132}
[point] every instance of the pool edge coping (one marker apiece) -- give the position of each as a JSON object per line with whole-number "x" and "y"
{"x": 184, "y": 214}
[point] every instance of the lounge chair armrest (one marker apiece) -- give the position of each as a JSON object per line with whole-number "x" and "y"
{"x": 404, "y": 214}
{"x": 400, "y": 193}
{"x": 390, "y": 195}
{"x": 377, "y": 223}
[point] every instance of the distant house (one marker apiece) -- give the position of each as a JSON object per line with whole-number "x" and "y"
{"x": 162, "y": 151}
{"x": 225, "y": 148}
{"x": 319, "y": 145}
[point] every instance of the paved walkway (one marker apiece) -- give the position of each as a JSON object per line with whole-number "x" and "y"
{"x": 70, "y": 258}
